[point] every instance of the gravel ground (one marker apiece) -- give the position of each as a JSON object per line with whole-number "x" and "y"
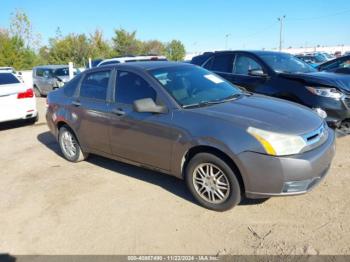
{"x": 51, "y": 206}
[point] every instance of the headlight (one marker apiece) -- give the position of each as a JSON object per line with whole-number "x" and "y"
{"x": 276, "y": 144}
{"x": 60, "y": 83}
{"x": 325, "y": 92}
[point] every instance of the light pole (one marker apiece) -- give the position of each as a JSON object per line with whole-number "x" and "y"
{"x": 226, "y": 40}
{"x": 281, "y": 19}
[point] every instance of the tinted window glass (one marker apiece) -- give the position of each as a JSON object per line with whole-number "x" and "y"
{"x": 285, "y": 63}
{"x": 191, "y": 85}
{"x": 40, "y": 72}
{"x": 209, "y": 64}
{"x": 222, "y": 63}
{"x": 6, "y": 79}
{"x": 345, "y": 64}
{"x": 62, "y": 72}
{"x": 341, "y": 63}
{"x": 95, "y": 85}
{"x": 47, "y": 73}
{"x": 244, "y": 64}
{"x": 131, "y": 87}
{"x": 71, "y": 86}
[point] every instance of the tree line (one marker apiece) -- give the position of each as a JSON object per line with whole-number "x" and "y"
{"x": 20, "y": 47}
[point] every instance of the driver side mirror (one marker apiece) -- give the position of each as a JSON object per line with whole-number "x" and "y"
{"x": 257, "y": 72}
{"x": 147, "y": 105}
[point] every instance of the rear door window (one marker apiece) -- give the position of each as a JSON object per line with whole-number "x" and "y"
{"x": 208, "y": 64}
{"x": 6, "y": 79}
{"x": 223, "y": 63}
{"x": 95, "y": 85}
{"x": 131, "y": 87}
{"x": 244, "y": 64}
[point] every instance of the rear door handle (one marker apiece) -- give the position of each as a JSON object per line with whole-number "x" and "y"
{"x": 118, "y": 112}
{"x": 76, "y": 103}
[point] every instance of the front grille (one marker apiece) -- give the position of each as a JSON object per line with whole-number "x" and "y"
{"x": 316, "y": 138}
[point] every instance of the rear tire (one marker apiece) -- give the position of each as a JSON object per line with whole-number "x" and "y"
{"x": 212, "y": 182}
{"x": 37, "y": 92}
{"x": 69, "y": 145}
{"x": 33, "y": 120}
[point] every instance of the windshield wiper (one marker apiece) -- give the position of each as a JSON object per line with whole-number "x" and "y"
{"x": 213, "y": 102}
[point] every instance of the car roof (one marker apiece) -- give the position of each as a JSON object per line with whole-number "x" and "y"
{"x": 256, "y": 52}
{"x": 127, "y": 58}
{"x": 146, "y": 65}
{"x": 51, "y": 66}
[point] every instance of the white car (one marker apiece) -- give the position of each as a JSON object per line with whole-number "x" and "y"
{"x": 17, "y": 102}
{"x": 128, "y": 59}
{"x": 9, "y": 69}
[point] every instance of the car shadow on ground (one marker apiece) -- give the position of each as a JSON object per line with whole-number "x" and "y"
{"x": 172, "y": 184}
{"x": 14, "y": 124}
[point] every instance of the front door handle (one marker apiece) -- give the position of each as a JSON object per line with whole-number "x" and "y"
{"x": 118, "y": 112}
{"x": 76, "y": 103}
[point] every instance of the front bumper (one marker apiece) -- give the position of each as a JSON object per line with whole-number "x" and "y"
{"x": 266, "y": 176}
{"x": 337, "y": 110}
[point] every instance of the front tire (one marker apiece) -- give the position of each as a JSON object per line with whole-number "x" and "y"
{"x": 69, "y": 145}
{"x": 212, "y": 182}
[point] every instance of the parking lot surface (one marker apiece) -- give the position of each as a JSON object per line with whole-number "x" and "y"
{"x": 100, "y": 206}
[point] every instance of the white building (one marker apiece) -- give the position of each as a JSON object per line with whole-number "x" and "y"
{"x": 327, "y": 49}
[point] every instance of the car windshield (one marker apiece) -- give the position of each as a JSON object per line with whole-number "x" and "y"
{"x": 194, "y": 86}
{"x": 6, "y": 79}
{"x": 320, "y": 58}
{"x": 61, "y": 72}
{"x": 286, "y": 63}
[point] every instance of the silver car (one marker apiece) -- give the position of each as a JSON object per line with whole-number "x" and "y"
{"x": 48, "y": 78}
{"x": 185, "y": 121}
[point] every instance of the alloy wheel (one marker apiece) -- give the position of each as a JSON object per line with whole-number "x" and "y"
{"x": 211, "y": 183}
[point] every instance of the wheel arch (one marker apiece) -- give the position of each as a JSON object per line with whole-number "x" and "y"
{"x": 216, "y": 152}
{"x": 62, "y": 123}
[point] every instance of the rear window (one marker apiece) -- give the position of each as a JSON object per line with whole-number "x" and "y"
{"x": 95, "y": 85}
{"x": 6, "y": 79}
{"x": 71, "y": 86}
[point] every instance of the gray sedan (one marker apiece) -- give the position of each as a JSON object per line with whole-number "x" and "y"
{"x": 185, "y": 121}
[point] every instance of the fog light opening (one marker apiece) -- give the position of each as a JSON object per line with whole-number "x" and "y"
{"x": 296, "y": 186}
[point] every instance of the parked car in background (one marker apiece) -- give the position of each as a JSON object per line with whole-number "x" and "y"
{"x": 284, "y": 76}
{"x": 337, "y": 54}
{"x": 311, "y": 60}
{"x": 314, "y": 59}
{"x": 94, "y": 63}
{"x": 339, "y": 65}
{"x": 8, "y": 69}
{"x": 49, "y": 77}
{"x": 128, "y": 59}
{"x": 17, "y": 102}
{"x": 185, "y": 121}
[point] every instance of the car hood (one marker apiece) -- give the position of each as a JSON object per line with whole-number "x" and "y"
{"x": 266, "y": 113}
{"x": 341, "y": 81}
